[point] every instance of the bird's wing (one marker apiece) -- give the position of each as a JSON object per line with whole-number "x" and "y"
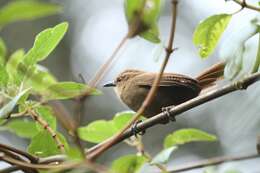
{"x": 167, "y": 80}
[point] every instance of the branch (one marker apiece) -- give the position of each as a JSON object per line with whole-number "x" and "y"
{"x": 149, "y": 98}
{"x": 19, "y": 152}
{"x": 177, "y": 110}
{"x": 243, "y": 4}
{"x": 214, "y": 161}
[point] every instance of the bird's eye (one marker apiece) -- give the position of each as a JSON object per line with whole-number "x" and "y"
{"x": 119, "y": 79}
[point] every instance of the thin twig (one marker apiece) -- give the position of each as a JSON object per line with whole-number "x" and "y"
{"x": 46, "y": 126}
{"x": 151, "y": 93}
{"x": 243, "y": 4}
{"x": 177, "y": 110}
{"x": 214, "y": 161}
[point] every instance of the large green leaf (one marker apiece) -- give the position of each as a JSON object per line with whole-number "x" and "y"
{"x": 184, "y": 136}
{"x": 97, "y": 131}
{"x": 22, "y": 128}
{"x": 43, "y": 144}
{"x": 26, "y": 10}
{"x": 2, "y": 51}
{"x": 163, "y": 156}
{"x": 128, "y": 164}
{"x": 209, "y": 31}
{"x": 66, "y": 90}
{"x": 142, "y": 17}
{"x": 45, "y": 42}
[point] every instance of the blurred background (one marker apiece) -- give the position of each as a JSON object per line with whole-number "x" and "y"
{"x": 96, "y": 28}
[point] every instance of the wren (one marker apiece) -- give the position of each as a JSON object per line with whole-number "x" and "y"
{"x": 132, "y": 87}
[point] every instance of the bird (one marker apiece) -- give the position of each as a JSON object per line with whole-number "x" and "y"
{"x": 132, "y": 87}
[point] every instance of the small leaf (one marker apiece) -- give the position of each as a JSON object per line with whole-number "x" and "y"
{"x": 3, "y": 76}
{"x": 163, "y": 156}
{"x": 43, "y": 145}
{"x": 40, "y": 80}
{"x": 97, "y": 131}
{"x": 184, "y": 136}
{"x": 142, "y": 17}
{"x": 26, "y": 10}
{"x": 2, "y": 51}
{"x": 66, "y": 90}
{"x": 128, "y": 164}
{"x": 122, "y": 118}
{"x": 45, "y": 42}
{"x": 8, "y": 108}
{"x": 208, "y": 32}
{"x": 46, "y": 114}
{"x": 151, "y": 35}
{"x": 22, "y": 128}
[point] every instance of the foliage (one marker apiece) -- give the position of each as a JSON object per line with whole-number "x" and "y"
{"x": 142, "y": 17}
{"x": 208, "y": 32}
{"x": 22, "y": 77}
{"x": 26, "y": 10}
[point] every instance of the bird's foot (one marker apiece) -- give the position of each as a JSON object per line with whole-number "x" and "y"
{"x": 166, "y": 111}
{"x": 134, "y": 130}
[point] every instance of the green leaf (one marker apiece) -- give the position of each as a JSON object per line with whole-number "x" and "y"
{"x": 46, "y": 113}
{"x": 26, "y": 10}
{"x": 208, "y": 33}
{"x": 8, "y": 108}
{"x": 122, "y": 118}
{"x": 66, "y": 90}
{"x": 22, "y": 128}
{"x": 97, "y": 131}
{"x": 2, "y": 51}
{"x": 74, "y": 154}
{"x": 151, "y": 35}
{"x": 43, "y": 144}
{"x": 184, "y": 136}
{"x": 163, "y": 156}
{"x": 12, "y": 64}
{"x": 3, "y": 76}
{"x": 41, "y": 79}
{"x": 142, "y": 17}
{"x": 128, "y": 164}
{"x": 45, "y": 42}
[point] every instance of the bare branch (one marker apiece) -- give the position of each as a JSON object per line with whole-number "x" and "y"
{"x": 243, "y": 4}
{"x": 214, "y": 161}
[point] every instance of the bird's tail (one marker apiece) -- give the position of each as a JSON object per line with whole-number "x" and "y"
{"x": 209, "y": 77}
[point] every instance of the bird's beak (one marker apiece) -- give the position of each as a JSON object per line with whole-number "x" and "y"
{"x": 111, "y": 84}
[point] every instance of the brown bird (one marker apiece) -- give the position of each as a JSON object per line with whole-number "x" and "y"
{"x": 132, "y": 87}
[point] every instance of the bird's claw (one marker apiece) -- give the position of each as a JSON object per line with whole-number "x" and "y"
{"x": 134, "y": 129}
{"x": 166, "y": 111}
